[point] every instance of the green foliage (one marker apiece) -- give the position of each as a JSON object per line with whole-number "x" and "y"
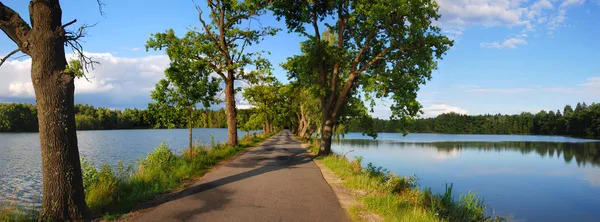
{"x": 584, "y": 121}
{"x": 375, "y": 49}
{"x": 398, "y": 198}
{"x": 17, "y": 117}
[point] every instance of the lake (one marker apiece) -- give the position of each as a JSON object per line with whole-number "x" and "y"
{"x": 523, "y": 178}
{"x": 21, "y": 161}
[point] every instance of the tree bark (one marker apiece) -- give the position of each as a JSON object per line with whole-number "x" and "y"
{"x": 326, "y": 134}
{"x": 232, "y": 138}
{"x": 63, "y": 192}
{"x": 190, "y": 125}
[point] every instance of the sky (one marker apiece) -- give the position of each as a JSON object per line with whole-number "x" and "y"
{"x": 509, "y": 56}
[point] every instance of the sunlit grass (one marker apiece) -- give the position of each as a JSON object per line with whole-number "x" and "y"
{"x": 398, "y": 198}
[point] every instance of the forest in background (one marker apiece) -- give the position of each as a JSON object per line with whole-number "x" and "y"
{"x": 22, "y": 117}
{"x": 583, "y": 121}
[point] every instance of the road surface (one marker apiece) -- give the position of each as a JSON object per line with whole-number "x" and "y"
{"x": 276, "y": 181}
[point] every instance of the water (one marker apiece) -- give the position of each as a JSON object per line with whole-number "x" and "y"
{"x": 20, "y": 157}
{"x": 523, "y": 178}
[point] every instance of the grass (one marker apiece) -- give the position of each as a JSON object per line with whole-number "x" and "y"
{"x": 111, "y": 192}
{"x": 398, "y": 198}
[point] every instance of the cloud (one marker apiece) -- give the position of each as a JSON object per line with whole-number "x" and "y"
{"x": 117, "y": 82}
{"x": 459, "y": 15}
{"x": 433, "y": 110}
{"x": 508, "y": 43}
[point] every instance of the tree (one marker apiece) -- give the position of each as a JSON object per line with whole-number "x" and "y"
{"x": 263, "y": 98}
{"x": 383, "y": 48}
{"x": 44, "y": 40}
{"x": 187, "y": 84}
{"x": 221, "y": 44}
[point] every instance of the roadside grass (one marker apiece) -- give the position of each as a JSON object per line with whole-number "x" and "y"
{"x": 111, "y": 192}
{"x": 398, "y": 198}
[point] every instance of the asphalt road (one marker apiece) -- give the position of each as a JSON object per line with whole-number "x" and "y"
{"x": 276, "y": 181}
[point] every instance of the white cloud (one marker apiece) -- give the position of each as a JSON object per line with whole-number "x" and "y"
{"x": 458, "y": 15}
{"x": 434, "y": 110}
{"x": 116, "y": 82}
{"x": 508, "y": 43}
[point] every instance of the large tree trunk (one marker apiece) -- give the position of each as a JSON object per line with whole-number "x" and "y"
{"x": 232, "y": 138}
{"x": 63, "y": 192}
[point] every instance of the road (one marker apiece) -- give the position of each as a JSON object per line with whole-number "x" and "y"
{"x": 276, "y": 181}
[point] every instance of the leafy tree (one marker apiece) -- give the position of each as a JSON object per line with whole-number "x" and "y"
{"x": 221, "y": 44}
{"x": 187, "y": 84}
{"x": 382, "y": 49}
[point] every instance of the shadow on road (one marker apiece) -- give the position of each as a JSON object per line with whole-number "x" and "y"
{"x": 263, "y": 159}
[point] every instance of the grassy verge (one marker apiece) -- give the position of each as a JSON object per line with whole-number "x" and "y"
{"x": 110, "y": 192}
{"x": 398, "y": 198}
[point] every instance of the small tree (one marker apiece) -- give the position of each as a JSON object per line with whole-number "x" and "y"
{"x": 221, "y": 44}
{"x": 187, "y": 84}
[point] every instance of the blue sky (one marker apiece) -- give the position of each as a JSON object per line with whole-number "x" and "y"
{"x": 509, "y": 55}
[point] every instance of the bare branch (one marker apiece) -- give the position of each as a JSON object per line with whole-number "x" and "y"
{"x": 8, "y": 56}
{"x": 101, "y": 7}
{"x": 69, "y": 23}
{"x": 72, "y": 40}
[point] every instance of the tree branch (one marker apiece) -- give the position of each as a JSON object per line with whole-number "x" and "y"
{"x": 377, "y": 57}
{"x": 8, "y": 56}
{"x": 362, "y": 50}
{"x": 207, "y": 29}
{"x": 14, "y": 27}
{"x": 69, "y": 23}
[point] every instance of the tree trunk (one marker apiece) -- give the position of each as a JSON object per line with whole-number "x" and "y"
{"x": 326, "y": 133}
{"x": 310, "y": 132}
{"x": 190, "y": 125}
{"x": 63, "y": 192}
{"x": 232, "y": 138}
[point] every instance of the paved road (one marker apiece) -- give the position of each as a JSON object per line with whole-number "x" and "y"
{"x": 277, "y": 181}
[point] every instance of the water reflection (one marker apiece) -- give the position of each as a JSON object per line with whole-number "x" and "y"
{"x": 551, "y": 180}
{"x": 581, "y": 153}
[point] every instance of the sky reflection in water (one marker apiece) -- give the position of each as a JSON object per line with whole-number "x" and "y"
{"x": 535, "y": 180}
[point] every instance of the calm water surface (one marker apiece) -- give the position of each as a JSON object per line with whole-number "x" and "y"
{"x": 523, "y": 178}
{"x": 20, "y": 158}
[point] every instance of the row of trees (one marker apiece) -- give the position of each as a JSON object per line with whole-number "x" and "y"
{"x": 374, "y": 49}
{"x": 20, "y": 117}
{"x": 583, "y": 121}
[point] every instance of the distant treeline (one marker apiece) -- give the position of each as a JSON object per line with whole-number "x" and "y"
{"x": 583, "y": 121}
{"x": 20, "y": 117}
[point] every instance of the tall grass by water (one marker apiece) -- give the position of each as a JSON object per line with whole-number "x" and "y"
{"x": 113, "y": 191}
{"x": 398, "y": 198}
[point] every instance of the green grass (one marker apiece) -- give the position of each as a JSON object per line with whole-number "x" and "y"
{"x": 111, "y": 192}
{"x": 398, "y": 198}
